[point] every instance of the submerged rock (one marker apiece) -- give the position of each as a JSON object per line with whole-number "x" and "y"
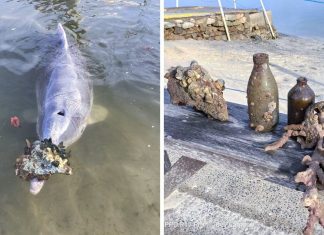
{"x": 193, "y": 86}
{"x": 41, "y": 160}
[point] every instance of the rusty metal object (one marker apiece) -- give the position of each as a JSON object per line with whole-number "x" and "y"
{"x": 309, "y": 134}
{"x": 262, "y": 95}
{"x": 300, "y": 97}
{"x": 193, "y": 86}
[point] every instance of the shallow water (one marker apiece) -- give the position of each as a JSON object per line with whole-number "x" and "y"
{"x": 114, "y": 188}
{"x": 294, "y": 17}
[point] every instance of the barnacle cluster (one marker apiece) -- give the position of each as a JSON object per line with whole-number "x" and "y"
{"x": 194, "y": 86}
{"x": 43, "y": 159}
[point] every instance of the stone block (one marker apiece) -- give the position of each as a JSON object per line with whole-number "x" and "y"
{"x": 210, "y": 21}
{"x": 221, "y": 29}
{"x": 201, "y": 21}
{"x": 232, "y": 23}
{"x": 219, "y": 33}
{"x": 168, "y": 25}
{"x": 178, "y": 30}
{"x": 232, "y": 17}
{"x": 218, "y": 23}
{"x": 232, "y": 29}
{"x": 202, "y": 28}
{"x": 240, "y": 27}
{"x": 178, "y": 22}
{"x": 259, "y": 19}
{"x": 205, "y": 36}
{"x": 187, "y": 25}
{"x": 242, "y": 20}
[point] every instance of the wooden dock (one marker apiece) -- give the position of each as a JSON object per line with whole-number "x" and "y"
{"x": 221, "y": 178}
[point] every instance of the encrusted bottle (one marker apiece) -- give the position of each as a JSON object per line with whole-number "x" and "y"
{"x": 262, "y": 95}
{"x": 300, "y": 97}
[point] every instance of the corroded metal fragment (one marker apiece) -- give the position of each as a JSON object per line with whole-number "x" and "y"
{"x": 41, "y": 160}
{"x": 309, "y": 134}
{"x": 194, "y": 86}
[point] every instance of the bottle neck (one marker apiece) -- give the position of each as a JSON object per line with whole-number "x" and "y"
{"x": 260, "y": 59}
{"x": 302, "y": 81}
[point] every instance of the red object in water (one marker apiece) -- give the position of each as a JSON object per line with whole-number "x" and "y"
{"x": 14, "y": 121}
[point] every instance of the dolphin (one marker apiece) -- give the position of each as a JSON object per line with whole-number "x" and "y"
{"x": 64, "y": 100}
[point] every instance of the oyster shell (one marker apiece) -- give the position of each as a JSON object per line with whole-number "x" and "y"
{"x": 41, "y": 160}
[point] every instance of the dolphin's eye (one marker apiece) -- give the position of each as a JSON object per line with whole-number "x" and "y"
{"x": 61, "y": 113}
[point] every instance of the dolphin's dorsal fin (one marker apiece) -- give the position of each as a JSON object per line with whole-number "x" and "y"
{"x": 62, "y": 36}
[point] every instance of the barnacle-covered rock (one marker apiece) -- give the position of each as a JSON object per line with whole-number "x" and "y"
{"x": 41, "y": 160}
{"x": 194, "y": 86}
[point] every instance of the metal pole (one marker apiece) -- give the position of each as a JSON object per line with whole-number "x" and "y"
{"x": 224, "y": 20}
{"x": 177, "y": 3}
{"x": 267, "y": 19}
{"x": 234, "y": 1}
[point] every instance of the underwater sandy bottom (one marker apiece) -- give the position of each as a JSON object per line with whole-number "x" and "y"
{"x": 113, "y": 189}
{"x": 289, "y": 58}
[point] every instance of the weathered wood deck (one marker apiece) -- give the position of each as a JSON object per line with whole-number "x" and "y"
{"x": 231, "y": 143}
{"x": 223, "y": 182}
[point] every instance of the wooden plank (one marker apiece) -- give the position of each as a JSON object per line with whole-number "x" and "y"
{"x": 233, "y": 140}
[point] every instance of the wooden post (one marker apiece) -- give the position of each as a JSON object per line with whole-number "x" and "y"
{"x": 267, "y": 19}
{"x": 224, "y": 20}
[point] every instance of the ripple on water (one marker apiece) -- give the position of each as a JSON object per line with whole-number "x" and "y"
{"x": 115, "y": 185}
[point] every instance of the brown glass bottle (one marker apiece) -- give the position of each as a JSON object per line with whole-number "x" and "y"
{"x": 300, "y": 97}
{"x": 262, "y": 95}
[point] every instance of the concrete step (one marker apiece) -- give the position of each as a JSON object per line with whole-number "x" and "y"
{"x": 221, "y": 200}
{"x": 187, "y": 214}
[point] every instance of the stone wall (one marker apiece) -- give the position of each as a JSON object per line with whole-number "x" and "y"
{"x": 241, "y": 25}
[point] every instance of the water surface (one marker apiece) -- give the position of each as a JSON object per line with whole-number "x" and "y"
{"x": 115, "y": 185}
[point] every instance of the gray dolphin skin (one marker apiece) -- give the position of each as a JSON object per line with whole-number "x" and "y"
{"x": 64, "y": 97}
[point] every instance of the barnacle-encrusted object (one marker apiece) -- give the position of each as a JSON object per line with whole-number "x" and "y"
{"x": 309, "y": 134}
{"x": 41, "y": 160}
{"x": 193, "y": 86}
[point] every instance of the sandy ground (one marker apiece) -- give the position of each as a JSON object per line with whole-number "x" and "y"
{"x": 290, "y": 57}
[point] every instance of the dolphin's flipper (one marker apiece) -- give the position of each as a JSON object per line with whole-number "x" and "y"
{"x": 62, "y": 36}
{"x": 98, "y": 114}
